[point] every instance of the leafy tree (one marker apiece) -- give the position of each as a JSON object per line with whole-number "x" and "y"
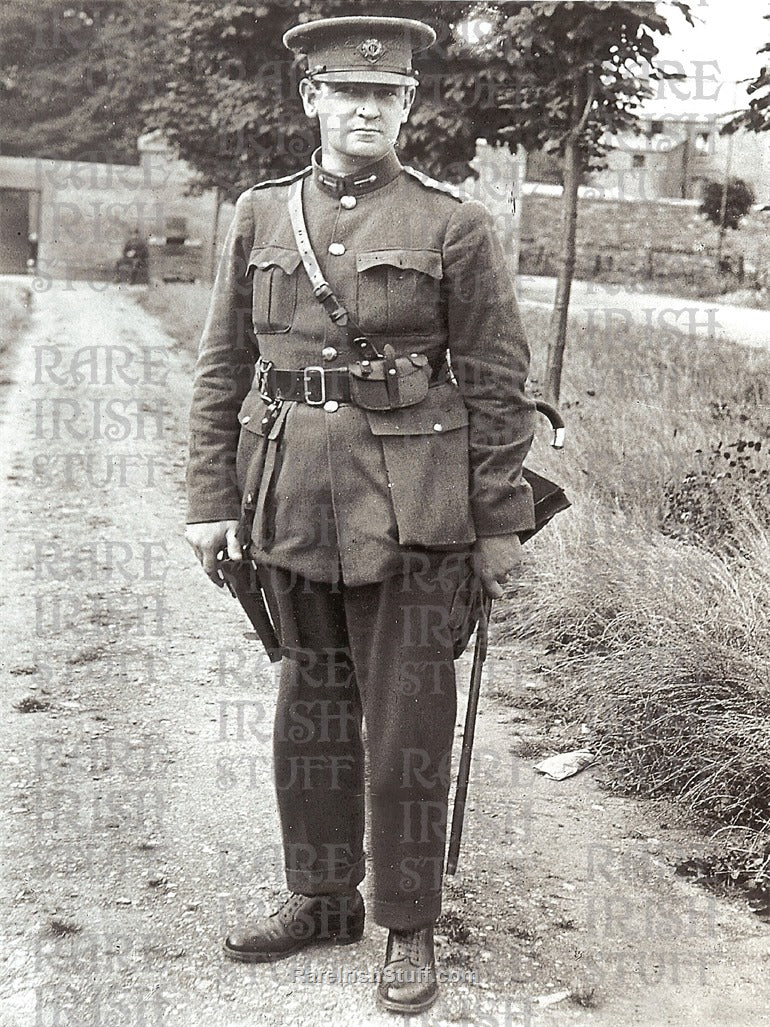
{"x": 739, "y": 199}
{"x": 575, "y": 72}
{"x": 75, "y": 76}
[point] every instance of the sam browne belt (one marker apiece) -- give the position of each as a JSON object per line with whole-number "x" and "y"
{"x": 364, "y": 383}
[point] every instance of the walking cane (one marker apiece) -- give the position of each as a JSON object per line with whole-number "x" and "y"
{"x": 464, "y": 771}
{"x": 549, "y": 500}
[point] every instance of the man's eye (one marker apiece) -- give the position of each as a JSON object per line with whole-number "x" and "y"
{"x": 380, "y": 93}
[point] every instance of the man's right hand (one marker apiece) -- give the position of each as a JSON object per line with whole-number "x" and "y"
{"x": 210, "y": 538}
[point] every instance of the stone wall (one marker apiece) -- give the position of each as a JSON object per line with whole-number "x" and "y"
{"x": 644, "y": 238}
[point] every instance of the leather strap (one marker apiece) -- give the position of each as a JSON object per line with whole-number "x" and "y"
{"x": 317, "y": 385}
{"x": 312, "y": 385}
{"x": 321, "y": 289}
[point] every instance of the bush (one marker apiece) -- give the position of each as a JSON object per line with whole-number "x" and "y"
{"x": 740, "y": 197}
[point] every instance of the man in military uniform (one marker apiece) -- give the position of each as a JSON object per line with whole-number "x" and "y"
{"x": 367, "y": 476}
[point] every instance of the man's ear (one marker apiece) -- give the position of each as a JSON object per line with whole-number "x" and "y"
{"x": 309, "y": 93}
{"x": 409, "y": 94}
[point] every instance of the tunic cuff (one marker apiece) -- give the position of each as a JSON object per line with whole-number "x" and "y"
{"x": 514, "y": 511}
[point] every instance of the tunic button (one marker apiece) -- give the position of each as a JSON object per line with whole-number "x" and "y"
{"x": 348, "y": 202}
{"x": 438, "y": 427}
{"x": 246, "y": 419}
{"x": 329, "y": 353}
{"x": 337, "y": 249}
{"x": 331, "y": 406}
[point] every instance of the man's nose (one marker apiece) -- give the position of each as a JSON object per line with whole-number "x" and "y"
{"x": 368, "y": 107}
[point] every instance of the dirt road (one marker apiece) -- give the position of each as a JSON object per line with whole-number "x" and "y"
{"x": 139, "y": 822}
{"x": 613, "y": 309}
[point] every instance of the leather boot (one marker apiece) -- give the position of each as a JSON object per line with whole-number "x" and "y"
{"x": 301, "y": 921}
{"x": 408, "y": 983}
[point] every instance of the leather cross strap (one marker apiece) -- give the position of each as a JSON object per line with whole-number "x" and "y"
{"x": 322, "y": 291}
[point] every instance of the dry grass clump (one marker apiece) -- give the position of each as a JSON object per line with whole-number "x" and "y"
{"x": 651, "y": 593}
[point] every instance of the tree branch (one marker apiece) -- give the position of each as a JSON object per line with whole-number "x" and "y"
{"x": 590, "y": 96}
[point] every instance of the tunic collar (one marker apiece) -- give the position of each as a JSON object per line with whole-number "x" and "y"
{"x": 365, "y": 180}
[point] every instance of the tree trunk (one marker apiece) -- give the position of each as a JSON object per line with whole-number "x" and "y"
{"x": 557, "y": 333}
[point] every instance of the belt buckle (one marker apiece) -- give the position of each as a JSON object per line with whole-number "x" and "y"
{"x": 307, "y": 383}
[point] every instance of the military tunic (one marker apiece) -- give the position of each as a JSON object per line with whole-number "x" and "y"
{"x": 351, "y": 489}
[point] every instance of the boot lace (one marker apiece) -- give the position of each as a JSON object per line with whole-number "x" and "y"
{"x": 286, "y": 912}
{"x": 406, "y": 945}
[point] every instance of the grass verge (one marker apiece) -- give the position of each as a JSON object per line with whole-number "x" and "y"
{"x": 181, "y": 308}
{"x": 650, "y": 594}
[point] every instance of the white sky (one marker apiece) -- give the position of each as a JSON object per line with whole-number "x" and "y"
{"x": 728, "y": 32}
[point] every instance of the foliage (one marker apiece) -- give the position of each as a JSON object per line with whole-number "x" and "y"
{"x": 710, "y": 505}
{"x": 562, "y": 68}
{"x": 75, "y": 76}
{"x": 757, "y": 117}
{"x": 740, "y": 197}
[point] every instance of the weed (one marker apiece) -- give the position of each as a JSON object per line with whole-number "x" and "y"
{"x": 585, "y": 995}
{"x": 63, "y": 928}
{"x": 451, "y": 924}
{"x": 32, "y": 704}
{"x": 710, "y": 505}
{"x": 523, "y": 933}
{"x": 86, "y": 656}
{"x": 529, "y": 748}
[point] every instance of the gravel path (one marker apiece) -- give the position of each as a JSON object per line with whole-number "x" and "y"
{"x": 615, "y": 309}
{"x": 138, "y": 807}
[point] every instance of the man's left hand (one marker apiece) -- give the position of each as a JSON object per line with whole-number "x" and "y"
{"x": 497, "y": 558}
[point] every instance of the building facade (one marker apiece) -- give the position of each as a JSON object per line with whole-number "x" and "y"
{"x": 72, "y": 219}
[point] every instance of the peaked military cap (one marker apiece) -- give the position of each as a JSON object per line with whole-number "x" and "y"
{"x": 376, "y": 50}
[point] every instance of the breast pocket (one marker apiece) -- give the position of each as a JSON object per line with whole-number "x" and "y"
{"x": 274, "y": 300}
{"x": 398, "y": 291}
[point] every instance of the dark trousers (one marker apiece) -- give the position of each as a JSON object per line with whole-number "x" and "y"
{"x": 381, "y": 652}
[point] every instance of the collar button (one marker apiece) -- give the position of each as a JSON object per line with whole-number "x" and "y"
{"x": 348, "y": 202}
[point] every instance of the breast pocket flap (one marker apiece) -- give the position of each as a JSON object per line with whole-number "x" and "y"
{"x": 265, "y": 257}
{"x": 426, "y": 261}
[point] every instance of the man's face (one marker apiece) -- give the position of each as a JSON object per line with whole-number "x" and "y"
{"x": 359, "y": 121}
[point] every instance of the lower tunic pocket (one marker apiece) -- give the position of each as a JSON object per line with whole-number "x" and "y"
{"x": 426, "y": 456}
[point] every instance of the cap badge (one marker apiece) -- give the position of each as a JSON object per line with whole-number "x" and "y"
{"x": 371, "y": 50}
